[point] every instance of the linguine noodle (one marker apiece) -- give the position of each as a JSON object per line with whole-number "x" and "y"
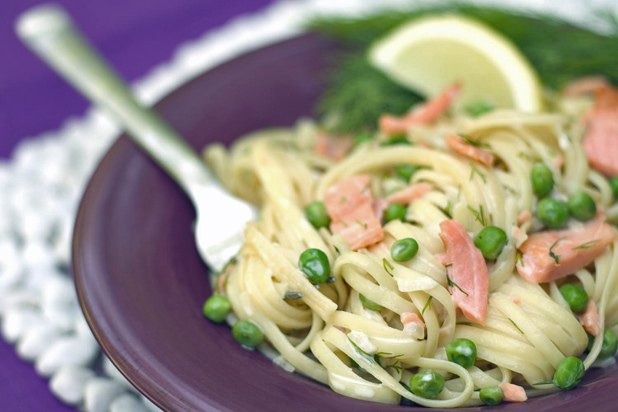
{"x": 324, "y": 332}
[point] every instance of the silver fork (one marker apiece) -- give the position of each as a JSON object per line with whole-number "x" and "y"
{"x": 49, "y": 32}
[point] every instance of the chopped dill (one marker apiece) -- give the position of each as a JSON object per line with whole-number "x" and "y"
{"x": 448, "y": 210}
{"x": 587, "y": 245}
{"x": 555, "y": 257}
{"x": 475, "y": 171}
{"x": 451, "y": 284}
{"x": 474, "y": 142}
{"x": 369, "y": 357}
{"x": 389, "y": 355}
{"x": 388, "y": 266}
{"x": 426, "y": 305}
{"x": 552, "y": 255}
{"x": 516, "y": 327}
{"x": 519, "y": 259}
{"x": 397, "y": 367}
{"x": 479, "y": 214}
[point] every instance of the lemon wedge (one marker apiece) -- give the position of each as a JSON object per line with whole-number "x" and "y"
{"x": 429, "y": 54}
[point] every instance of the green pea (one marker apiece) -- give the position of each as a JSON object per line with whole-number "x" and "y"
{"x": 569, "y": 373}
{"x": 490, "y": 241}
{"x": 404, "y": 249}
{"x": 491, "y": 395}
{"x": 613, "y": 183}
{"x": 427, "y": 384}
{"x": 316, "y": 214}
{"x": 542, "y": 180}
{"x": 247, "y": 333}
{"x": 552, "y": 213}
{"x": 479, "y": 108}
{"x": 368, "y": 303}
{"x": 216, "y": 308}
{"x": 395, "y": 140}
{"x": 582, "y": 206}
{"x": 575, "y": 296}
{"x": 395, "y": 211}
{"x": 610, "y": 344}
{"x": 314, "y": 264}
{"x": 462, "y": 352}
{"x": 405, "y": 171}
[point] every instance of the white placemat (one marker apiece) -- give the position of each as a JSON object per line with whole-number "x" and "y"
{"x": 45, "y": 178}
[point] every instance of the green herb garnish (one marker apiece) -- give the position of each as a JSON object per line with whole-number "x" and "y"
{"x": 559, "y": 51}
{"x": 552, "y": 255}
{"x": 474, "y": 142}
{"x": 388, "y": 266}
{"x": 354, "y": 78}
{"x": 426, "y": 305}
{"x": 452, "y": 283}
{"x": 478, "y": 214}
{"x": 475, "y": 171}
{"x": 516, "y": 327}
{"x": 587, "y": 245}
{"x": 365, "y": 355}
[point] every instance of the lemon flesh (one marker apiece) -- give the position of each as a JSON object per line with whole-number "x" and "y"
{"x": 427, "y": 55}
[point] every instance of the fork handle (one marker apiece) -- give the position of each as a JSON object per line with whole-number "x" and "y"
{"x": 49, "y": 32}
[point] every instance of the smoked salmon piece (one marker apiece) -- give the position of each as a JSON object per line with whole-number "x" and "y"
{"x": 410, "y": 193}
{"x": 460, "y": 146}
{"x": 550, "y": 255}
{"x": 467, "y": 271}
{"x": 513, "y": 393}
{"x": 523, "y": 217}
{"x": 421, "y": 114}
{"x": 333, "y": 147}
{"x": 413, "y": 325}
{"x": 352, "y": 210}
{"x": 601, "y": 140}
{"x": 590, "y": 319}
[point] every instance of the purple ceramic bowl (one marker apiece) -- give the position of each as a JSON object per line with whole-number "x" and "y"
{"x": 141, "y": 282}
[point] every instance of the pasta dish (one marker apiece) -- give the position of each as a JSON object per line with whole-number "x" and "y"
{"x": 446, "y": 260}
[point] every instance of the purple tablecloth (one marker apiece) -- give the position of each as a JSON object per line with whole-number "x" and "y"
{"x": 135, "y": 35}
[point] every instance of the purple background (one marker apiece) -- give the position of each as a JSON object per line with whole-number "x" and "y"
{"x": 135, "y": 35}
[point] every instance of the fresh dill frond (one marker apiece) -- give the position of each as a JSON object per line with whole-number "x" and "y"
{"x": 354, "y": 79}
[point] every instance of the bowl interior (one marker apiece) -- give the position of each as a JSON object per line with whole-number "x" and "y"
{"x": 141, "y": 282}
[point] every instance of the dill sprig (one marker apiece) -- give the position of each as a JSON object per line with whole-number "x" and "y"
{"x": 353, "y": 79}
{"x": 560, "y": 51}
